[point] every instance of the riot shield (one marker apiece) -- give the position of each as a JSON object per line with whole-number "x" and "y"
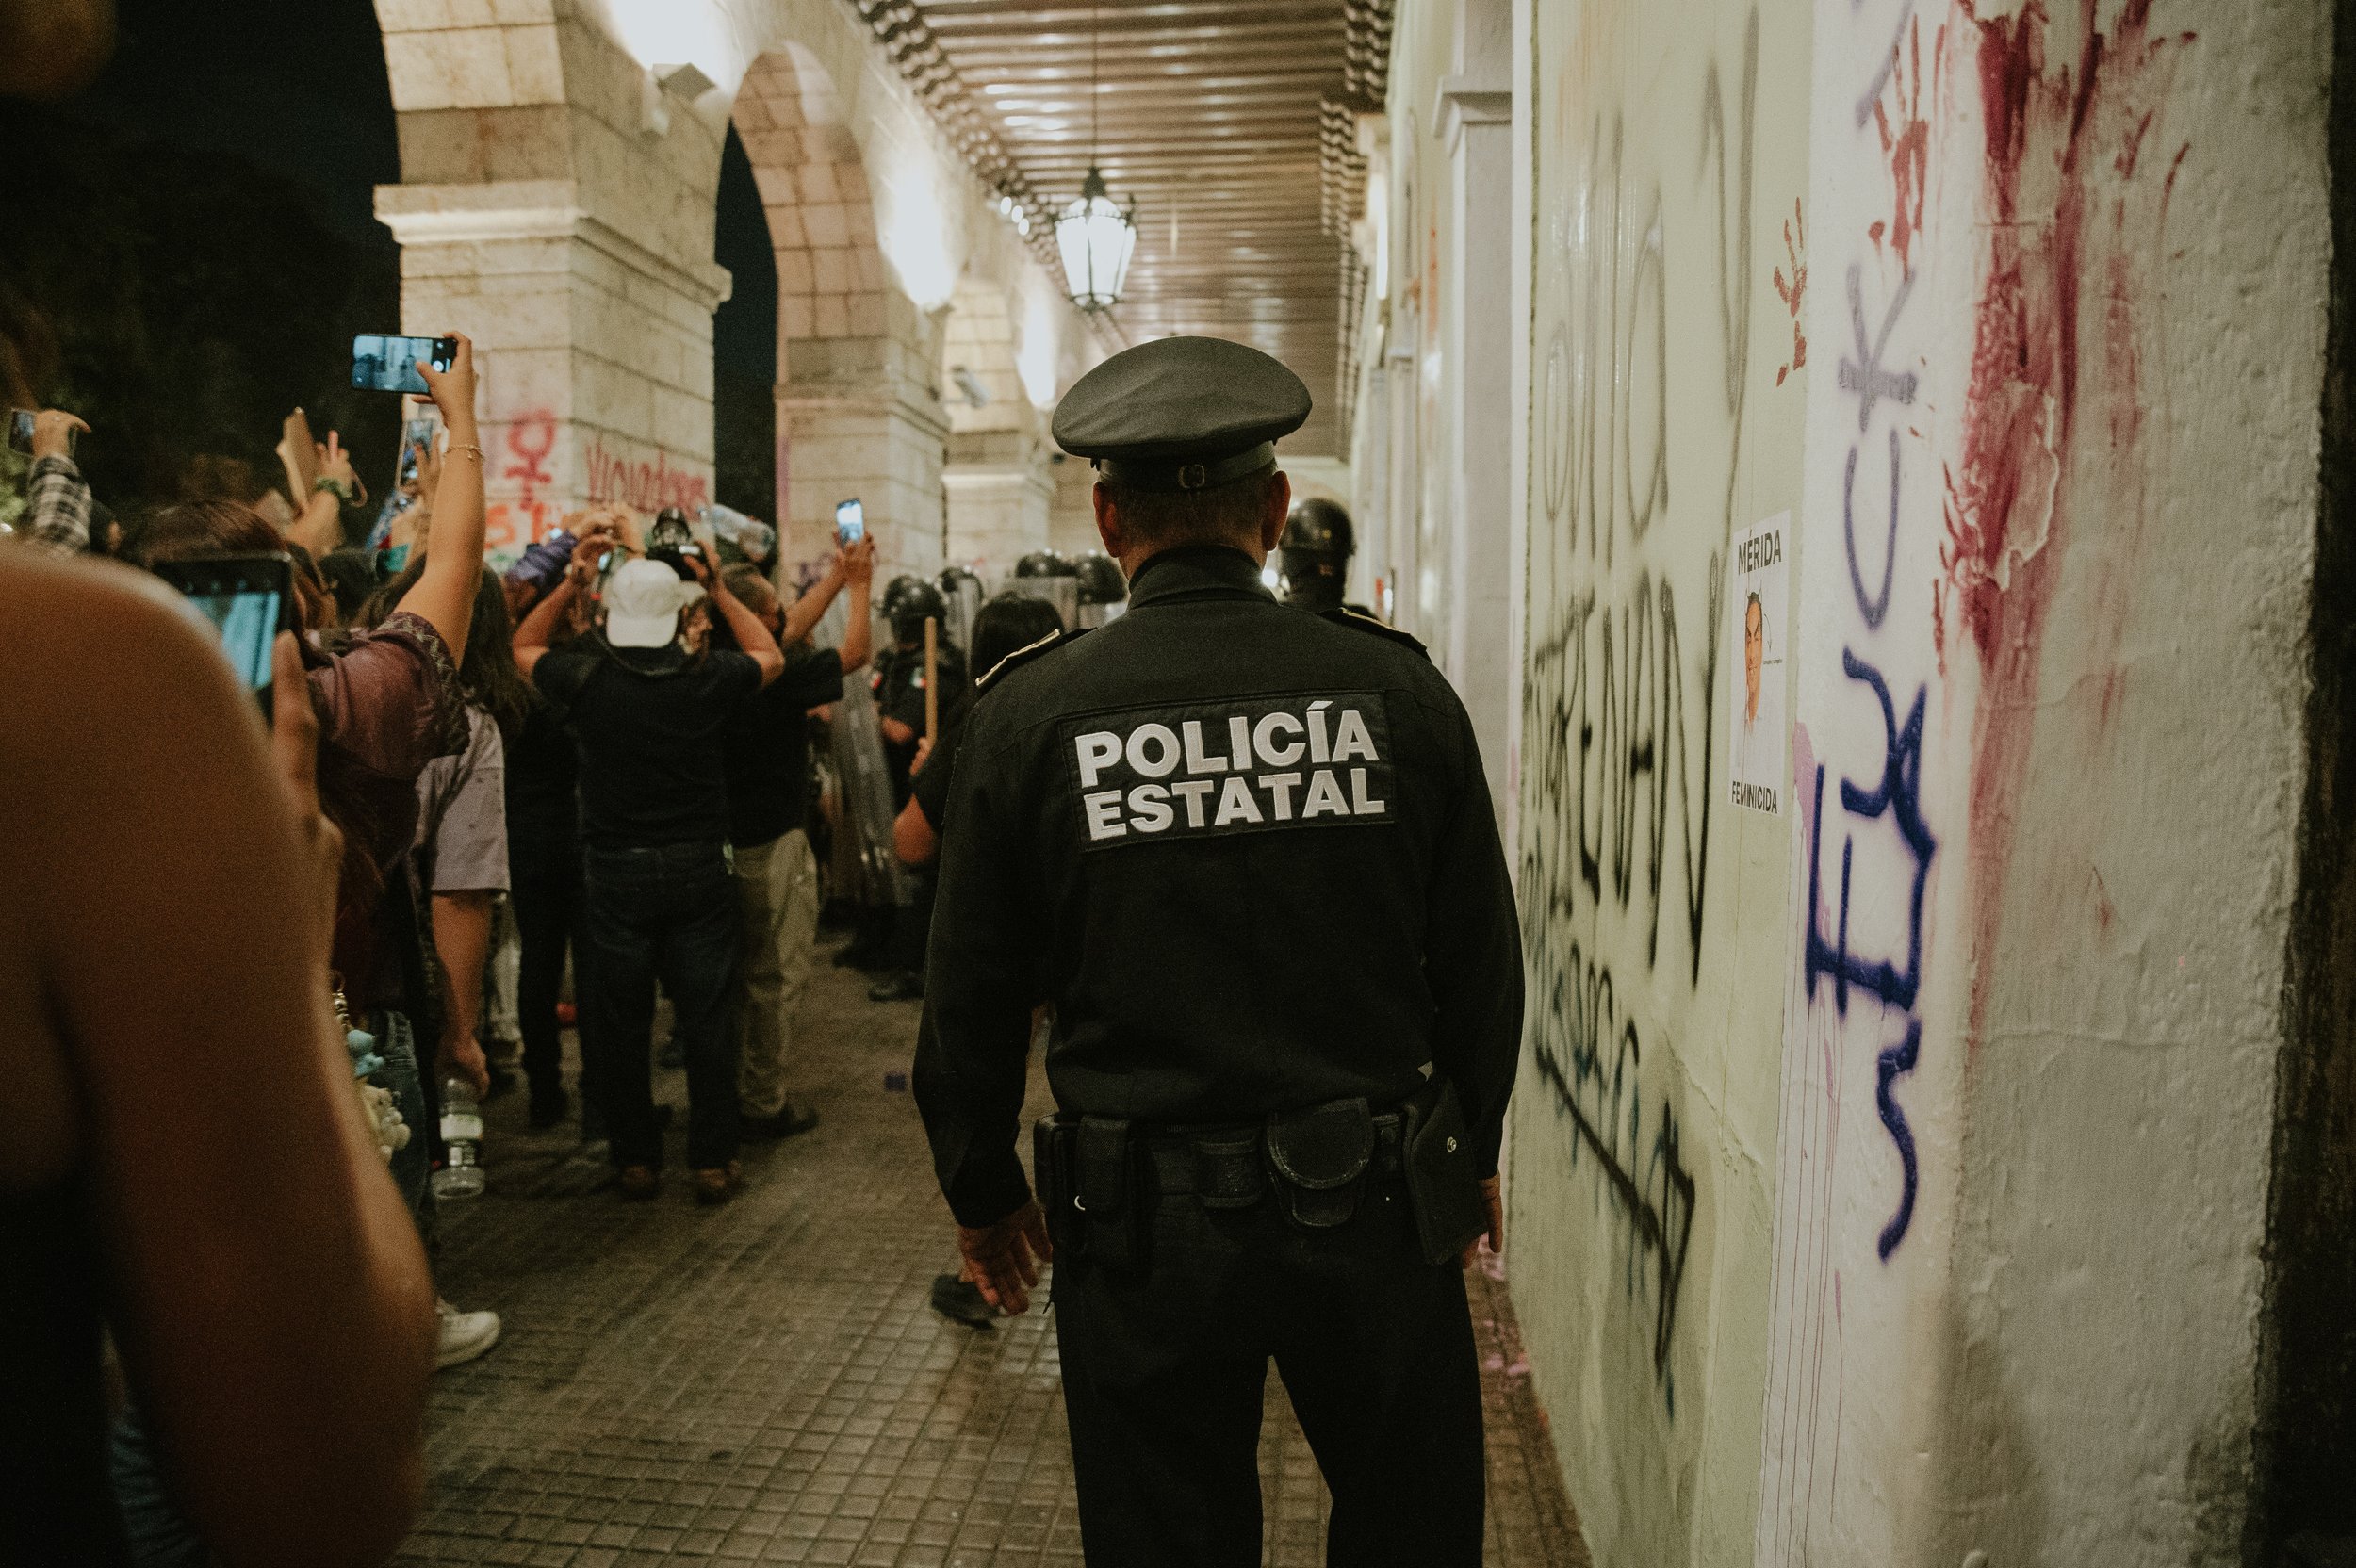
{"x": 864, "y": 779}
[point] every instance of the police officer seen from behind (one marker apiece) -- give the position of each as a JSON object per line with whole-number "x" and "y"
{"x": 1249, "y": 855}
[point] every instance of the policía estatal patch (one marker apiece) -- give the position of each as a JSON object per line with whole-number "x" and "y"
{"x": 1251, "y": 765}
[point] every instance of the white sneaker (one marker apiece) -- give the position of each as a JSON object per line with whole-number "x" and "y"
{"x": 465, "y": 1335}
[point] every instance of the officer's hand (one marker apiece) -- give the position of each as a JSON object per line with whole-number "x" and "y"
{"x": 1493, "y": 1196}
{"x": 1003, "y": 1259}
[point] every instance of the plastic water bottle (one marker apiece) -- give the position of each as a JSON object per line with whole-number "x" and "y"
{"x": 462, "y": 1138}
{"x": 749, "y": 534}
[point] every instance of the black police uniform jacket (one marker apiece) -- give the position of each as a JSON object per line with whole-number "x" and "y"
{"x": 1248, "y": 853}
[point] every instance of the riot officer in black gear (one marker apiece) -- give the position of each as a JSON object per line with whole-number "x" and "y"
{"x": 1103, "y": 591}
{"x": 898, "y": 682}
{"x": 1249, "y": 857}
{"x": 1312, "y": 555}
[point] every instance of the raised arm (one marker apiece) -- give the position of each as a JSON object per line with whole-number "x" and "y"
{"x": 751, "y": 635}
{"x": 858, "y": 570}
{"x": 57, "y": 500}
{"x": 319, "y": 527}
{"x": 445, "y": 591}
{"x": 273, "y": 1308}
{"x": 532, "y": 638}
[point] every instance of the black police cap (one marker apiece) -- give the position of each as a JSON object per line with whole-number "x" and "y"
{"x": 1181, "y": 414}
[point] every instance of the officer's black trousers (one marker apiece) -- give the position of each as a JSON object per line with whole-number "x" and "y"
{"x": 1164, "y": 1369}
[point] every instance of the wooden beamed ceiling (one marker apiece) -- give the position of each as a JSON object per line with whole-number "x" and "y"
{"x": 1207, "y": 114}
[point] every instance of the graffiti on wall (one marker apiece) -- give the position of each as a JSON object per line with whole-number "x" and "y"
{"x": 644, "y": 486}
{"x": 1952, "y": 534}
{"x": 1626, "y": 660}
{"x": 525, "y": 511}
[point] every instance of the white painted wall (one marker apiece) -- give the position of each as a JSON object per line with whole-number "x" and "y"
{"x": 1668, "y": 149}
{"x": 2041, "y": 400}
{"x": 2095, "y": 358}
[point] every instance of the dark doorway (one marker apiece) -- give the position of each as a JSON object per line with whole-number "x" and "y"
{"x": 744, "y": 344}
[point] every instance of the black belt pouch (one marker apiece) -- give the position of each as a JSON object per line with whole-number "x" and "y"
{"x": 1052, "y": 1138}
{"x": 1111, "y": 1194}
{"x": 1319, "y": 1156}
{"x": 1442, "y": 1185}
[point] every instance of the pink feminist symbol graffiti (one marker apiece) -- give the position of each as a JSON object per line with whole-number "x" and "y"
{"x": 530, "y": 440}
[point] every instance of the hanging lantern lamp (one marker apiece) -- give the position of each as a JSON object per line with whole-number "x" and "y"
{"x": 1097, "y": 240}
{"x": 1096, "y": 235}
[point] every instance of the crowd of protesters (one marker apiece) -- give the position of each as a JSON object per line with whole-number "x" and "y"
{"x": 628, "y": 768}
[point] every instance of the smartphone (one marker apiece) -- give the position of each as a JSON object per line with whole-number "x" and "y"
{"x": 382, "y": 364}
{"x": 247, "y": 599}
{"x": 850, "y": 522}
{"x": 21, "y": 431}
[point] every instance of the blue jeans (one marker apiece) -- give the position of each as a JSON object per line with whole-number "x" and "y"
{"x": 666, "y": 914}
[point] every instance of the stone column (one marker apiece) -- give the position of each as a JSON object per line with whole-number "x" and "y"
{"x": 858, "y": 417}
{"x": 594, "y": 352}
{"x": 1475, "y": 111}
{"x": 1000, "y": 498}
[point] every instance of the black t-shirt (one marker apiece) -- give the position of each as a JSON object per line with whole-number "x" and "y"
{"x": 768, "y": 747}
{"x": 542, "y": 772}
{"x": 650, "y": 722}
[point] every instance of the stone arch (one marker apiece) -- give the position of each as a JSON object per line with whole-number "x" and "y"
{"x": 560, "y": 168}
{"x": 859, "y": 403}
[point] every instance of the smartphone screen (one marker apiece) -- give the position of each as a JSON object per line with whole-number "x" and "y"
{"x": 382, "y": 364}
{"x": 850, "y": 522}
{"x": 247, "y": 600}
{"x": 21, "y": 431}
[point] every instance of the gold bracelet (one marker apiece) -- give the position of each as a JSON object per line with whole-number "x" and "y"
{"x": 470, "y": 448}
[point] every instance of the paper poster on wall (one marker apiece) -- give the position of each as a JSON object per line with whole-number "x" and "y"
{"x": 1757, "y": 738}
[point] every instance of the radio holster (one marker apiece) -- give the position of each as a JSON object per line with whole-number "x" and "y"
{"x": 1443, "y": 1187}
{"x": 1098, "y": 1201}
{"x": 1319, "y": 1158}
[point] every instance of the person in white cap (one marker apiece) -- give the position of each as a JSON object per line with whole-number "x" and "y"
{"x": 649, "y": 713}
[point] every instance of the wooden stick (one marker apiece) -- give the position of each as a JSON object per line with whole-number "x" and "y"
{"x": 932, "y": 684}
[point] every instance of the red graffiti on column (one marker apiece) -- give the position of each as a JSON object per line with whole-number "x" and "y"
{"x": 530, "y": 437}
{"x": 2055, "y": 406}
{"x": 644, "y": 486}
{"x": 510, "y": 525}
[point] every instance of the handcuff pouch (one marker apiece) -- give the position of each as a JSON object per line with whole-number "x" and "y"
{"x": 1319, "y": 1157}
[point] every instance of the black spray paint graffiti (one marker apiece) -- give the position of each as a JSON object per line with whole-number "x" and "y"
{"x": 1609, "y": 729}
{"x": 1605, "y": 1102}
{"x": 1619, "y": 699}
{"x": 1898, "y": 795}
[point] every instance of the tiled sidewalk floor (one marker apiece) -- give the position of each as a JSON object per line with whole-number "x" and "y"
{"x": 766, "y": 1381}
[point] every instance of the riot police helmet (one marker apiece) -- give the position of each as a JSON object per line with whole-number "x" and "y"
{"x": 908, "y": 604}
{"x": 1312, "y": 553}
{"x": 1100, "y": 581}
{"x": 1043, "y": 563}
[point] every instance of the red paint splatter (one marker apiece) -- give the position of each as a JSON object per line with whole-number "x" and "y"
{"x": 2062, "y": 147}
{"x": 1794, "y": 292}
{"x": 1908, "y": 147}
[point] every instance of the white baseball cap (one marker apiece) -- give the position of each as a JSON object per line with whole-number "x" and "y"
{"x": 642, "y": 604}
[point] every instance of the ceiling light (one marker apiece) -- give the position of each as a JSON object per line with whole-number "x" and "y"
{"x": 1096, "y": 236}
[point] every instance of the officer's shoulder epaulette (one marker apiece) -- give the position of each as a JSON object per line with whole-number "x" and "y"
{"x": 1024, "y": 655}
{"x": 1358, "y": 620}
